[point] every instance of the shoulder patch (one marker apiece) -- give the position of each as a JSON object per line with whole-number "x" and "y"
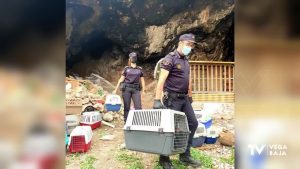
{"x": 178, "y": 66}
{"x": 172, "y": 54}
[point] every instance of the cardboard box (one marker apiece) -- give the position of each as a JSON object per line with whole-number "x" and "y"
{"x": 73, "y": 106}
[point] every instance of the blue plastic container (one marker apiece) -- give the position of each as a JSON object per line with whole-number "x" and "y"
{"x": 198, "y": 141}
{"x": 207, "y": 124}
{"x": 211, "y": 140}
{"x": 110, "y": 107}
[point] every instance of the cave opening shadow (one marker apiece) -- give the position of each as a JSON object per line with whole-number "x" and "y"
{"x": 95, "y": 45}
{"x": 92, "y": 46}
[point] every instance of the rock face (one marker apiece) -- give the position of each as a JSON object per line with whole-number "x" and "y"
{"x": 113, "y": 28}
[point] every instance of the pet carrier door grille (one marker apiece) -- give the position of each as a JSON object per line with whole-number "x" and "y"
{"x": 77, "y": 143}
{"x": 147, "y": 118}
{"x": 181, "y": 130}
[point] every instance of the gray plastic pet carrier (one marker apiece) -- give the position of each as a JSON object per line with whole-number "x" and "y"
{"x": 157, "y": 131}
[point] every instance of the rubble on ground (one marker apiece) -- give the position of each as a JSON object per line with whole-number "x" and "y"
{"x": 84, "y": 94}
{"x": 77, "y": 88}
{"x": 107, "y": 137}
{"x": 108, "y": 116}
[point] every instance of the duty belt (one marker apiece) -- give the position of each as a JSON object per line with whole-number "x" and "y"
{"x": 175, "y": 94}
{"x": 135, "y": 86}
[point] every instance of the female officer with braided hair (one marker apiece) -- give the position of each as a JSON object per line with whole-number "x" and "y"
{"x": 131, "y": 83}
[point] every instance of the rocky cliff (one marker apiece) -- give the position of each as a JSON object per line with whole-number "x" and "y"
{"x": 103, "y": 32}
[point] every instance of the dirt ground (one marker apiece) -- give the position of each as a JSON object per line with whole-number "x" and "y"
{"x": 106, "y": 154}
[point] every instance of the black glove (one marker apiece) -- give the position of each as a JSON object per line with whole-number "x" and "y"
{"x": 158, "y": 105}
{"x": 191, "y": 99}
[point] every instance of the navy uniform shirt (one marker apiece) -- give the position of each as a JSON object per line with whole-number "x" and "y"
{"x": 179, "y": 72}
{"x": 132, "y": 75}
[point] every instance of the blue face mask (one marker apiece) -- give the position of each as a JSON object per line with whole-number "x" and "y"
{"x": 186, "y": 50}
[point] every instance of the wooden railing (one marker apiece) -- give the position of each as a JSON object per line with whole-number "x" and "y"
{"x": 212, "y": 81}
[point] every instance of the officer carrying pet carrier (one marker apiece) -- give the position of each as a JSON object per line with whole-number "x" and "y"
{"x": 175, "y": 84}
{"x": 131, "y": 83}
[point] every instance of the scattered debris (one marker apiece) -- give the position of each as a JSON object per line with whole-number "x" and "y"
{"x": 226, "y": 117}
{"x": 99, "y": 107}
{"x": 122, "y": 146}
{"x": 108, "y": 117}
{"x": 88, "y": 95}
{"x": 207, "y": 147}
{"x": 108, "y": 124}
{"x": 107, "y": 137}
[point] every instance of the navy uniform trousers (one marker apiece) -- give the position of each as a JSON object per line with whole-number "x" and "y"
{"x": 184, "y": 105}
{"x": 135, "y": 95}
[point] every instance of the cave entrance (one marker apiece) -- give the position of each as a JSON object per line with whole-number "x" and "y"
{"x": 91, "y": 49}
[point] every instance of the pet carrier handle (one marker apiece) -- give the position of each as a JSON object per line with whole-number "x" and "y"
{"x": 160, "y": 130}
{"x": 128, "y": 128}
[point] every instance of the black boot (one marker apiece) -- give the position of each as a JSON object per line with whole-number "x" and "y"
{"x": 165, "y": 162}
{"x": 188, "y": 160}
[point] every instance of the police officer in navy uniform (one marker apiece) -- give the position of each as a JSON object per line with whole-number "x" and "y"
{"x": 175, "y": 85}
{"x": 131, "y": 83}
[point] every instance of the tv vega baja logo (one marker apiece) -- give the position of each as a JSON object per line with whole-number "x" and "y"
{"x": 270, "y": 150}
